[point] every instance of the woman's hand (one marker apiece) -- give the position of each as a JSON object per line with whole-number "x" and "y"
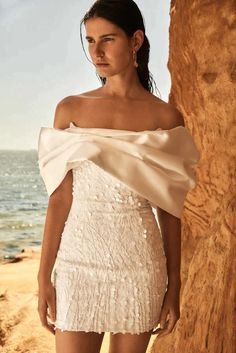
{"x": 170, "y": 313}
{"x": 47, "y": 305}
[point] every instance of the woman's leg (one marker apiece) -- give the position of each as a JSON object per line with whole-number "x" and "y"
{"x": 129, "y": 343}
{"x": 78, "y": 341}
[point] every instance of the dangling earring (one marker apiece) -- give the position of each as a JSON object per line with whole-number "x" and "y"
{"x": 135, "y": 58}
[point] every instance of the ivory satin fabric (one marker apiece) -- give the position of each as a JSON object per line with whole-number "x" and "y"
{"x": 158, "y": 165}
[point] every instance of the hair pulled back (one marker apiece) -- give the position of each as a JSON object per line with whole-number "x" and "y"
{"x": 126, "y": 15}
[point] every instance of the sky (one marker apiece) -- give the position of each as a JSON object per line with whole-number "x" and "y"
{"x": 42, "y": 61}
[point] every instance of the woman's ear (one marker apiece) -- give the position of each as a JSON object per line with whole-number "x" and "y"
{"x": 138, "y": 38}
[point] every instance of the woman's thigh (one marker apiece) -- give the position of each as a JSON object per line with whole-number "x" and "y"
{"x": 78, "y": 341}
{"x": 129, "y": 343}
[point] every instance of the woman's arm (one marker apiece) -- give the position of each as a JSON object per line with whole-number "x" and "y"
{"x": 59, "y": 206}
{"x": 171, "y": 234}
{"x": 58, "y": 209}
{"x": 57, "y": 212}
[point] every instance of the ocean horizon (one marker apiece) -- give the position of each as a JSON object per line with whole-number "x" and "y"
{"x": 23, "y": 203}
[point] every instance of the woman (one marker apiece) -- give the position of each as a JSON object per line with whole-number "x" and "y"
{"x": 113, "y": 154}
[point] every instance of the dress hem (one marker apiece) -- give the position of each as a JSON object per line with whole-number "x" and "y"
{"x": 136, "y": 332}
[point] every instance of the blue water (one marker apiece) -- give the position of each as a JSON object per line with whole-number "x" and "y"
{"x": 23, "y": 201}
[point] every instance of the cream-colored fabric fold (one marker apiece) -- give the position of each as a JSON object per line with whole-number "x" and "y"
{"x": 158, "y": 165}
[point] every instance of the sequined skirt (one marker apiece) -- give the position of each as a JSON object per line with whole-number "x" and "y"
{"x": 110, "y": 271}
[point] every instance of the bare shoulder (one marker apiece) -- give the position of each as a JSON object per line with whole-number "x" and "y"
{"x": 95, "y": 93}
{"x": 64, "y": 112}
{"x": 173, "y": 117}
{"x": 69, "y": 108}
{"x": 167, "y": 115}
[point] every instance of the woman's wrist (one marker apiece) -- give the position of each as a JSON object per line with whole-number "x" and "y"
{"x": 174, "y": 282}
{"x": 44, "y": 278}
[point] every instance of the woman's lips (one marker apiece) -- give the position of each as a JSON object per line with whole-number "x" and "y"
{"x": 101, "y": 65}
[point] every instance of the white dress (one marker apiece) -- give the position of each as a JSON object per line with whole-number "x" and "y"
{"x": 110, "y": 270}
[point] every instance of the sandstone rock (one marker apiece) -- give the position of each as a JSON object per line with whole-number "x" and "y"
{"x": 202, "y": 64}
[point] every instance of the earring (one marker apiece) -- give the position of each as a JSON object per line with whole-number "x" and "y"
{"x": 135, "y": 58}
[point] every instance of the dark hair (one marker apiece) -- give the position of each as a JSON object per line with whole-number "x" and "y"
{"x": 126, "y": 15}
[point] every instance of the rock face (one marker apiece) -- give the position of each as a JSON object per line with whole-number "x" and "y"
{"x": 202, "y": 64}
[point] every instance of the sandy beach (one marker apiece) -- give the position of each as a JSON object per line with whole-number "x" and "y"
{"x": 20, "y": 326}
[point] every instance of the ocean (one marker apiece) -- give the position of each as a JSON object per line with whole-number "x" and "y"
{"x": 23, "y": 201}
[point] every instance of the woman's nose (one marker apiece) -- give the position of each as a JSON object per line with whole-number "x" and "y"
{"x": 98, "y": 50}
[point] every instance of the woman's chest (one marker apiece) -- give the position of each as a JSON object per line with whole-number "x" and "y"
{"x": 134, "y": 117}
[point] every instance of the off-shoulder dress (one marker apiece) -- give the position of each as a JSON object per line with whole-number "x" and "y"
{"x": 110, "y": 271}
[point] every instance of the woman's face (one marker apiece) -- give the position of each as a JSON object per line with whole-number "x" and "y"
{"x": 109, "y": 44}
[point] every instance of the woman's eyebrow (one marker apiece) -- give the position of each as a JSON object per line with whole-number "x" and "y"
{"x": 103, "y": 35}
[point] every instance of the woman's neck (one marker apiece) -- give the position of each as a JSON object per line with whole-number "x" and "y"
{"x": 123, "y": 87}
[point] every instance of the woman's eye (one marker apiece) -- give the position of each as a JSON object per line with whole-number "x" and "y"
{"x": 107, "y": 39}
{"x": 104, "y": 39}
